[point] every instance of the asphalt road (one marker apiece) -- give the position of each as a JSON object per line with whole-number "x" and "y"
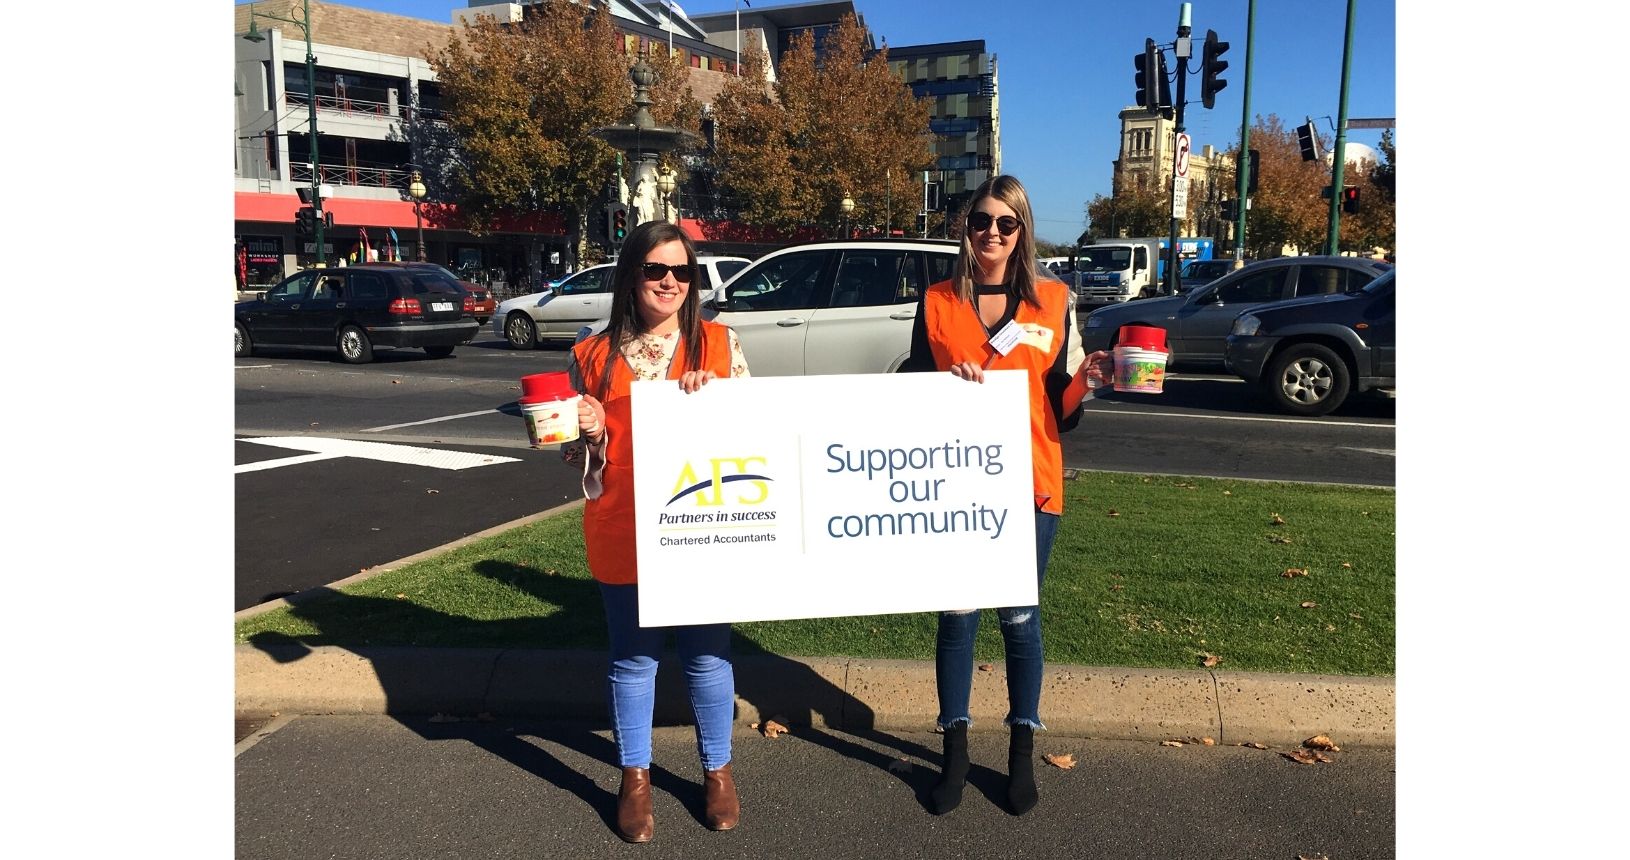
{"x": 306, "y": 518}
{"x": 380, "y": 787}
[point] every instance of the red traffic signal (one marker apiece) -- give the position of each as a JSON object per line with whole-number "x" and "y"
{"x": 1349, "y": 199}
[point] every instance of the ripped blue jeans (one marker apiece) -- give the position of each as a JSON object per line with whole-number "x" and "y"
{"x": 1021, "y": 634}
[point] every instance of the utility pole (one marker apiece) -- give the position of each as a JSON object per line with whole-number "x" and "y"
{"x": 311, "y": 103}
{"x": 1242, "y": 187}
{"x": 1181, "y": 50}
{"x": 1338, "y": 155}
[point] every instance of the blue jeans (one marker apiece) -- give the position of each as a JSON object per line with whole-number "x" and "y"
{"x": 1021, "y": 634}
{"x": 632, "y": 680}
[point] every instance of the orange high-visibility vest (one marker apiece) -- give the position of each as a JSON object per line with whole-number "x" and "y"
{"x": 955, "y": 334}
{"x": 608, "y": 522}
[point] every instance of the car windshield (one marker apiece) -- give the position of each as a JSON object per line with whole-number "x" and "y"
{"x": 1383, "y": 281}
{"x": 1104, "y": 259}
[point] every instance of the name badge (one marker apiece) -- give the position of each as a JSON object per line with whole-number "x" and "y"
{"x": 1005, "y": 339}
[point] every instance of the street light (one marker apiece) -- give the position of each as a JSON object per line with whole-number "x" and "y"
{"x": 417, "y": 192}
{"x": 848, "y": 206}
{"x": 665, "y": 187}
{"x": 311, "y": 102}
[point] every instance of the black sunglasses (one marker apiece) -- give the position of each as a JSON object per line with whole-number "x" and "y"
{"x": 656, "y": 271}
{"x": 979, "y": 222}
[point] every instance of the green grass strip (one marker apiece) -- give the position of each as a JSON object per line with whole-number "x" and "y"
{"x": 1154, "y": 572}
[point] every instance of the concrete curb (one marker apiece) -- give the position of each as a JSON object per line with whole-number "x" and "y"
{"x": 832, "y": 693}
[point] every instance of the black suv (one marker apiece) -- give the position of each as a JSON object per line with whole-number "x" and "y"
{"x": 355, "y": 309}
{"x": 1307, "y": 354}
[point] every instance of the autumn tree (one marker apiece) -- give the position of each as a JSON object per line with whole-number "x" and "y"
{"x": 1375, "y": 224}
{"x": 521, "y": 101}
{"x": 1132, "y": 211}
{"x": 845, "y": 126}
{"x": 1287, "y": 208}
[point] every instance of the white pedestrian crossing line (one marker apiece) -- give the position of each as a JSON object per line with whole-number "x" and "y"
{"x": 430, "y": 420}
{"x": 323, "y": 448}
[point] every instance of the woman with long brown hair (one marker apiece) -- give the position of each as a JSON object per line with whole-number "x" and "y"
{"x": 656, "y": 332}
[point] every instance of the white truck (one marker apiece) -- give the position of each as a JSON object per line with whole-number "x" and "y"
{"x": 1110, "y": 271}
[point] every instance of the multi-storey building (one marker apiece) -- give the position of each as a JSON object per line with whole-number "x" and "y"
{"x": 959, "y": 79}
{"x": 1148, "y": 145}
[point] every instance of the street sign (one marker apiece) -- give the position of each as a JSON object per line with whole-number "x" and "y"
{"x": 1181, "y": 168}
{"x": 1180, "y": 196}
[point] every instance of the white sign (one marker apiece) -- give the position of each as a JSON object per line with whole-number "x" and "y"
{"x": 1180, "y": 168}
{"x": 812, "y": 497}
{"x": 1180, "y": 196}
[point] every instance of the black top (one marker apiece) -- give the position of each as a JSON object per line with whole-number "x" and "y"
{"x": 1055, "y": 380}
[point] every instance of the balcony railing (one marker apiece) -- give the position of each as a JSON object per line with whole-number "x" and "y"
{"x": 340, "y": 174}
{"x": 341, "y": 104}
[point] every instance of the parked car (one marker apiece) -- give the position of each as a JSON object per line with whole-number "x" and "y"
{"x": 478, "y": 301}
{"x": 831, "y": 306}
{"x": 355, "y": 310}
{"x": 1198, "y": 273}
{"x": 1307, "y": 355}
{"x": 558, "y": 313}
{"x": 1197, "y": 324}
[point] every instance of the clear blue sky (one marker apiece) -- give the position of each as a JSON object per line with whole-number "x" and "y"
{"x": 1065, "y": 71}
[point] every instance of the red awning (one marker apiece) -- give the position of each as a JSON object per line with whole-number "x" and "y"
{"x": 352, "y": 212}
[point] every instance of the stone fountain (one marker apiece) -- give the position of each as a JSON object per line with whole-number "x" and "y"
{"x": 644, "y": 141}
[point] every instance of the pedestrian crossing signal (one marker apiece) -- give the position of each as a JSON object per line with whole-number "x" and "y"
{"x": 619, "y": 225}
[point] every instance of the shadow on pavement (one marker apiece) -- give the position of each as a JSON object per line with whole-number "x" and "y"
{"x": 788, "y": 691}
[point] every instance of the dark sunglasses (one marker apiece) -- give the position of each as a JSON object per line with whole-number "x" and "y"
{"x": 657, "y": 271}
{"x": 979, "y": 222}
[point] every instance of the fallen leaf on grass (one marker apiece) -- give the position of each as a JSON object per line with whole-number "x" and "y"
{"x": 1293, "y": 572}
{"x": 1253, "y": 745}
{"x": 1062, "y": 762}
{"x": 1346, "y": 565}
{"x": 900, "y": 765}
{"x": 549, "y": 571}
{"x": 1307, "y": 756}
{"x": 1276, "y": 520}
{"x": 1228, "y": 492}
{"x": 1355, "y": 616}
{"x": 1321, "y": 742}
{"x": 1278, "y": 539}
{"x": 1116, "y": 587}
{"x": 1308, "y": 604}
{"x": 1114, "y": 513}
{"x": 986, "y": 667}
{"x": 400, "y": 595}
{"x": 1210, "y": 661}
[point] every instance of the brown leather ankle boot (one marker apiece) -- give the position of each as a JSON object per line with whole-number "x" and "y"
{"x": 634, "y": 820}
{"x": 723, "y": 807}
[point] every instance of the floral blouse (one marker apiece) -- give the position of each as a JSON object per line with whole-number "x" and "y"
{"x": 649, "y": 357}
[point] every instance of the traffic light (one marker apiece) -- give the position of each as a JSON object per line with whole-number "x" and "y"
{"x": 1254, "y": 158}
{"x": 1230, "y": 210}
{"x": 922, "y": 223}
{"x": 1308, "y": 138}
{"x": 1349, "y": 199}
{"x": 305, "y": 221}
{"x": 1211, "y": 66}
{"x": 931, "y": 197}
{"x": 1151, "y": 77}
{"x": 619, "y": 225}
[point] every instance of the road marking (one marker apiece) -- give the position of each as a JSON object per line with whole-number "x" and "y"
{"x": 1385, "y": 452}
{"x": 1242, "y": 418}
{"x": 251, "y": 366}
{"x": 430, "y": 420}
{"x": 327, "y": 448}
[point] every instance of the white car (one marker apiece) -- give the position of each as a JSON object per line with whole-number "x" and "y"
{"x": 839, "y": 306}
{"x": 559, "y": 312}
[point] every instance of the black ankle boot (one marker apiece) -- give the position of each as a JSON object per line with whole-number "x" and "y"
{"x": 947, "y": 792}
{"x": 1021, "y": 770}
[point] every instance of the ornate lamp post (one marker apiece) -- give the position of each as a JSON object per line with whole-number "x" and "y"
{"x": 665, "y": 187}
{"x": 311, "y": 102}
{"x": 416, "y": 190}
{"x": 848, "y": 206}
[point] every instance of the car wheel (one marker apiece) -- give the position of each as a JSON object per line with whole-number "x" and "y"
{"x": 355, "y": 348}
{"x": 1307, "y": 379}
{"x": 243, "y": 345}
{"x": 438, "y": 351}
{"x": 520, "y": 331}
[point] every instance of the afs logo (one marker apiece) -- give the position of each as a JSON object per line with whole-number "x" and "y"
{"x": 725, "y": 470}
